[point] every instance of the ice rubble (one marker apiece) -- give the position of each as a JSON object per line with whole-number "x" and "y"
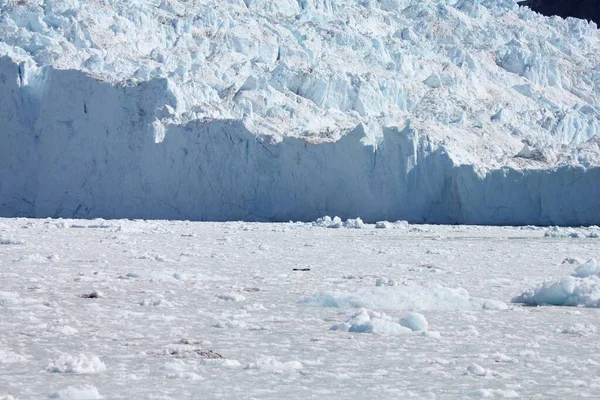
{"x": 288, "y": 110}
{"x": 367, "y": 321}
{"x": 78, "y": 364}
{"x": 580, "y": 290}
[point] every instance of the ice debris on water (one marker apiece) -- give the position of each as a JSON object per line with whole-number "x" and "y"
{"x": 582, "y": 289}
{"x": 367, "y": 321}
{"x": 77, "y": 364}
{"x": 592, "y": 232}
{"x": 83, "y": 392}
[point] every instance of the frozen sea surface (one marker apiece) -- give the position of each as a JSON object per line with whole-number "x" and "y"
{"x": 170, "y": 310}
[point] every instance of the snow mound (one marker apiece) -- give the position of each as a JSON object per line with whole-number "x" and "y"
{"x": 367, "y": 321}
{"x": 84, "y": 392}
{"x": 80, "y": 364}
{"x": 403, "y": 298}
{"x": 270, "y": 364}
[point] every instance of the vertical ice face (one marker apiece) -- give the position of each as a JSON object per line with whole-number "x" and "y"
{"x": 264, "y": 110}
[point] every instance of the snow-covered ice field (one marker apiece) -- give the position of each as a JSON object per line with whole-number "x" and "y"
{"x": 170, "y": 310}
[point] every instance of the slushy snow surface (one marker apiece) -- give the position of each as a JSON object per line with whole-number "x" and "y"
{"x": 216, "y": 310}
{"x": 446, "y": 112}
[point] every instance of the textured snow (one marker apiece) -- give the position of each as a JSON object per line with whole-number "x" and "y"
{"x": 290, "y": 110}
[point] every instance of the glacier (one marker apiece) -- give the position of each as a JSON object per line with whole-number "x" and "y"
{"x": 474, "y": 112}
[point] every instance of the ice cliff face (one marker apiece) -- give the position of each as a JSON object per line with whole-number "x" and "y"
{"x": 277, "y": 110}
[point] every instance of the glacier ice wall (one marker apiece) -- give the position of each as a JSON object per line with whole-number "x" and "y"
{"x": 76, "y": 146}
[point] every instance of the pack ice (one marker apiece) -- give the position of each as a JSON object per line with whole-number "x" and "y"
{"x": 427, "y": 111}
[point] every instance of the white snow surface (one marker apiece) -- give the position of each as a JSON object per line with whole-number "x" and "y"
{"x": 288, "y": 110}
{"x": 197, "y": 345}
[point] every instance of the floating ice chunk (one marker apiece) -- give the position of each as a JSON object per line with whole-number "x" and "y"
{"x": 190, "y": 376}
{"x": 525, "y": 151}
{"x": 590, "y": 268}
{"x": 366, "y": 321}
{"x": 10, "y": 241}
{"x": 580, "y": 329}
{"x": 496, "y": 393}
{"x": 80, "y": 364}
{"x": 383, "y": 225}
{"x": 177, "y": 366}
{"x": 401, "y": 224}
{"x": 404, "y": 298}
{"x": 476, "y": 369}
{"x": 235, "y": 324}
{"x": 84, "y": 392}
{"x": 220, "y": 362}
{"x": 336, "y": 223}
{"x": 557, "y": 232}
{"x": 572, "y": 260}
{"x": 385, "y": 281}
{"x": 564, "y": 291}
{"x": 327, "y": 222}
{"x": 63, "y": 330}
{"x": 415, "y": 322}
{"x": 32, "y": 258}
{"x": 354, "y": 223}
{"x": 270, "y": 364}
{"x": 10, "y": 357}
{"x": 9, "y": 299}
{"x": 231, "y": 296}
